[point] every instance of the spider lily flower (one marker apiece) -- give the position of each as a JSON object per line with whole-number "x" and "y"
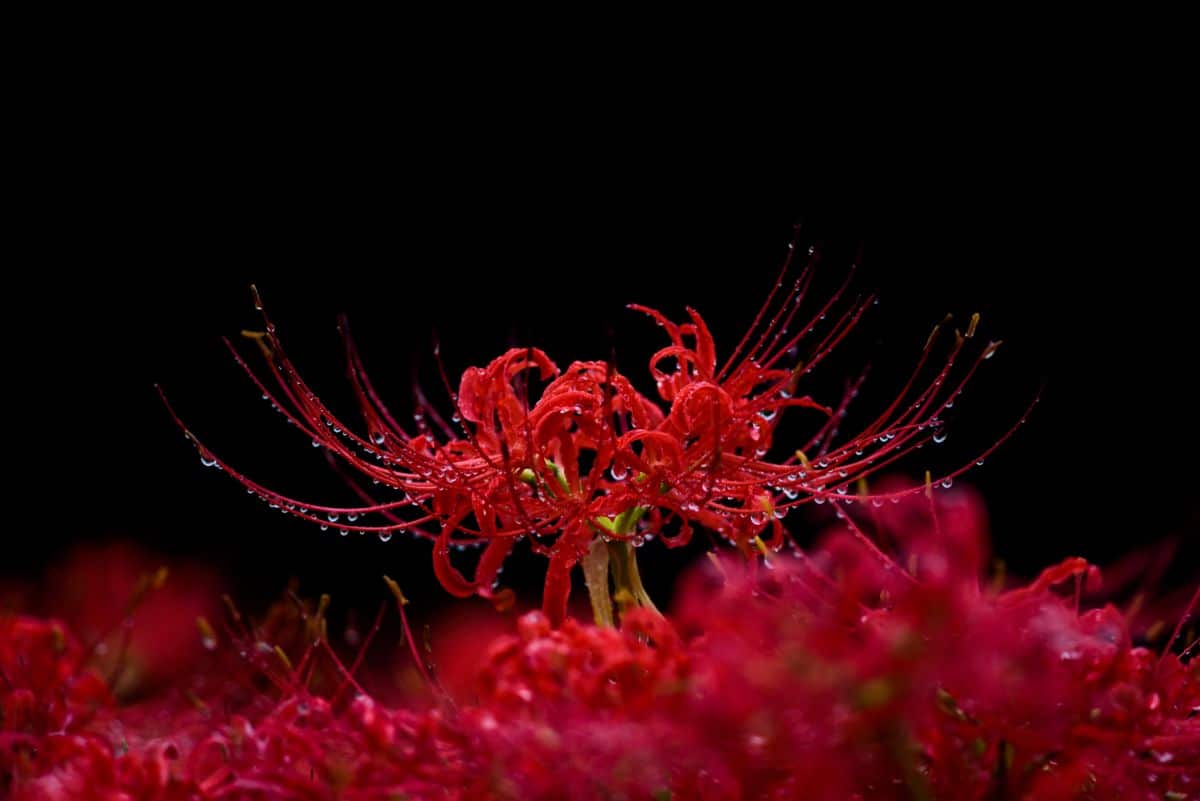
{"x": 593, "y": 467}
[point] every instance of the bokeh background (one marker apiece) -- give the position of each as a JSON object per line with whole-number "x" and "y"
{"x": 1066, "y": 236}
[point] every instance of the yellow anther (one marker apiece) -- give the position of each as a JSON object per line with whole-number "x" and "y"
{"x": 762, "y": 548}
{"x": 716, "y": 560}
{"x": 933, "y": 334}
{"x": 973, "y": 325}
{"x": 395, "y": 588}
{"x": 261, "y": 338}
{"x": 208, "y": 635}
{"x": 287, "y": 663}
{"x": 160, "y": 578}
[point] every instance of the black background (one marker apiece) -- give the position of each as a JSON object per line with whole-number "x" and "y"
{"x": 1068, "y": 226}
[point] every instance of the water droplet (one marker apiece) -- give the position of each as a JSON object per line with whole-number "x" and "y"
{"x": 758, "y": 518}
{"x": 344, "y": 532}
{"x": 979, "y": 463}
{"x": 948, "y": 482}
{"x": 939, "y": 436}
{"x": 352, "y": 517}
{"x": 818, "y": 499}
{"x": 618, "y": 472}
{"x": 316, "y": 444}
{"x": 333, "y": 517}
{"x": 324, "y": 527}
{"x": 384, "y": 536}
{"x": 378, "y": 437}
{"x": 208, "y": 460}
{"x": 209, "y": 642}
{"x": 767, "y": 414}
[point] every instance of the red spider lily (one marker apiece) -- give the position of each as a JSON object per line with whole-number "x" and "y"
{"x": 593, "y": 467}
{"x": 833, "y": 676}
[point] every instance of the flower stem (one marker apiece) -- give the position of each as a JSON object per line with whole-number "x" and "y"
{"x": 595, "y": 576}
{"x": 626, "y": 578}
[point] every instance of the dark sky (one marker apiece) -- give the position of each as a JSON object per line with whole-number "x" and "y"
{"x": 1071, "y": 239}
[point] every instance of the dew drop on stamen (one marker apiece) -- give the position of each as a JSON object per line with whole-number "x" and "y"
{"x": 979, "y": 462}
{"x": 344, "y": 532}
{"x": 352, "y": 517}
{"x": 333, "y": 517}
{"x": 316, "y": 444}
{"x": 939, "y": 437}
{"x": 947, "y": 482}
{"x": 378, "y": 437}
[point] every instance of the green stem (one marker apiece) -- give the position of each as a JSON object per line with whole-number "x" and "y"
{"x": 617, "y": 557}
{"x": 626, "y": 578}
{"x": 595, "y": 576}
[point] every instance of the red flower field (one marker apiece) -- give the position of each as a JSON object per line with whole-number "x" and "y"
{"x": 885, "y": 660}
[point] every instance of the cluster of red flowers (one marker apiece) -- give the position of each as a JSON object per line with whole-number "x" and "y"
{"x": 833, "y": 676}
{"x": 591, "y": 460}
{"x": 879, "y": 664}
